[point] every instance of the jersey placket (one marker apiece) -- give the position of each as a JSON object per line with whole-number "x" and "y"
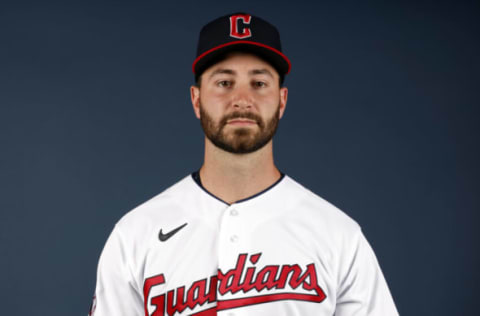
{"x": 230, "y": 237}
{"x": 232, "y": 241}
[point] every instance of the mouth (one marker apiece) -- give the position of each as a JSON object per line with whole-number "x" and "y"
{"x": 241, "y": 122}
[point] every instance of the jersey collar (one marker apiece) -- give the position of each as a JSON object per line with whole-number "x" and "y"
{"x": 196, "y": 177}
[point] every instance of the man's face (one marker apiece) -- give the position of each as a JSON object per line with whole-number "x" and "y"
{"x": 239, "y": 103}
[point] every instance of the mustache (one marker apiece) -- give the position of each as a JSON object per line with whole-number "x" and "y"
{"x": 241, "y": 115}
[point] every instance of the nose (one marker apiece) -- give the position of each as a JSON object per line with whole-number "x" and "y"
{"x": 242, "y": 99}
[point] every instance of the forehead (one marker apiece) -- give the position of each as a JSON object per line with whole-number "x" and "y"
{"x": 241, "y": 61}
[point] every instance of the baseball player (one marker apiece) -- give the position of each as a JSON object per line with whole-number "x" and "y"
{"x": 238, "y": 237}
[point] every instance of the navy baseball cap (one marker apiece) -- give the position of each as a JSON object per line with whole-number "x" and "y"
{"x": 239, "y": 32}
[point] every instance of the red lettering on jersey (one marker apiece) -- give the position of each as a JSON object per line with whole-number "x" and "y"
{"x": 282, "y": 282}
{"x": 234, "y": 28}
{"x": 159, "y": 302}
{"x": 197, "y": 294}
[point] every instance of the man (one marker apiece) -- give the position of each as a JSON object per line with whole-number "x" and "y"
{"x": 239, "y": 237}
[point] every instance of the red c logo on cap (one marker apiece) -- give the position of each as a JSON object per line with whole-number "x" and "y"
{"x": 234, "y": 26}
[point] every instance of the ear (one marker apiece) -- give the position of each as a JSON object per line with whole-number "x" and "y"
{"x": 195, "y": 97}
{"x": 283, "y": 100}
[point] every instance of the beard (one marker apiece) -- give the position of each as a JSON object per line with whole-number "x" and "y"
{"x": 240, "y": 140}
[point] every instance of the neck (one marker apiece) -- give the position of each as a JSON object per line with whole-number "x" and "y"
{"x": 233, "y": 177}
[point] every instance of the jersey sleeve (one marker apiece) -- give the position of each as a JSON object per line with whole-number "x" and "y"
{"x": 116, "y": 292}
{"x": 362, "y": 290}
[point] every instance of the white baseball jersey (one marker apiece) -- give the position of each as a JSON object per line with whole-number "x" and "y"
{"x": 282, "y": 252}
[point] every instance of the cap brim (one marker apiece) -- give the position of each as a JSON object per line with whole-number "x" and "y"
{"x": 278, "y": 60}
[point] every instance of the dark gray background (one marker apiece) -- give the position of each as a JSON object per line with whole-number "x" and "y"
{"x": 382, "y": 121}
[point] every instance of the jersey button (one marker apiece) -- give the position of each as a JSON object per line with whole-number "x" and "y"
{"x": 233, "y": 212}
{"x": 234, "y": 238}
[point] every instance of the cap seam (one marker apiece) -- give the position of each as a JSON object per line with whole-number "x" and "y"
{"x": 241, "y": 42}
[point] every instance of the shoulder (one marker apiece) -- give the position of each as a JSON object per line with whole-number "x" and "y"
{"x": 159, "y": 208}
{"x": 316, "y": 209}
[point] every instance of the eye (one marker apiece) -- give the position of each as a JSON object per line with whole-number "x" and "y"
{"x": 224, "y": 83}
{"x": 259, "y": 84}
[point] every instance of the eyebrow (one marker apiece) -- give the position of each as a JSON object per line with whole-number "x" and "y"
{"x": 263, "y": 71}
{"x": 260, "y": 72}
{"x": 222, "y": 71}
